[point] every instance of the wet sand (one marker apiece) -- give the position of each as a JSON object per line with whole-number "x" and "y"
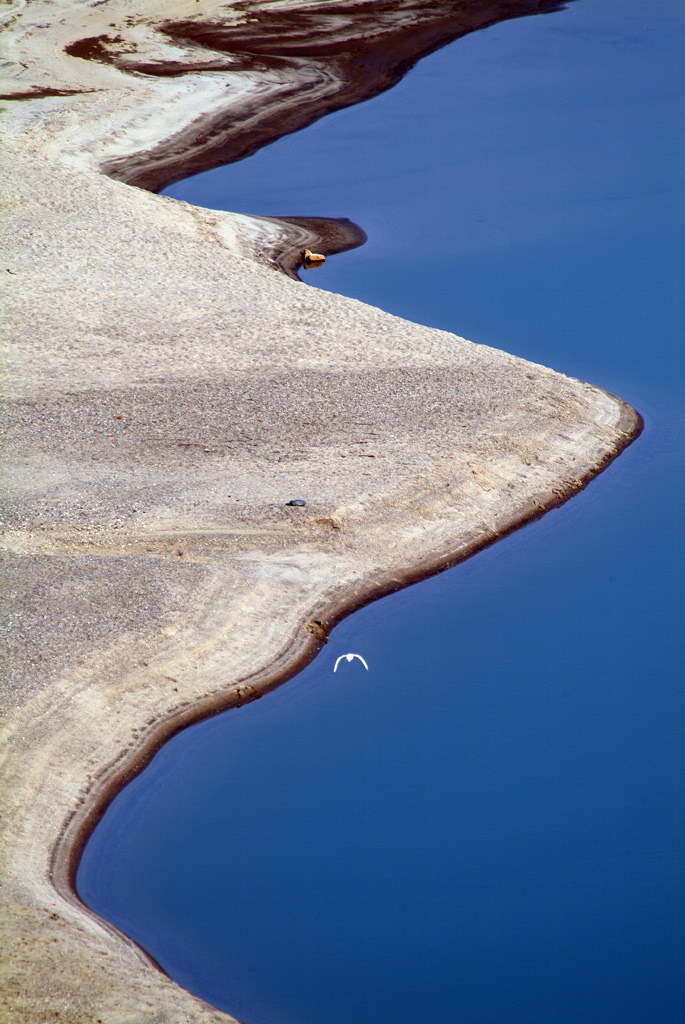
{"x": 169, "y": 388}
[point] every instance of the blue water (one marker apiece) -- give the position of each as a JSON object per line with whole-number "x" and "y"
{"x": 488, "y": 827}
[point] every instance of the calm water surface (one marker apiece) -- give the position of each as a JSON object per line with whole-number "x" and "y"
{"x": 488, "y": 827}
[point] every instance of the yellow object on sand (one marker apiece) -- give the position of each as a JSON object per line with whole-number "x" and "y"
{"x": 312, "y": 259}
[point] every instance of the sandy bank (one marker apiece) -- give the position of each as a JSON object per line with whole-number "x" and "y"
{"x": 168, "y": 390}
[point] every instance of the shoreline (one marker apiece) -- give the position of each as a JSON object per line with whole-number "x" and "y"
{"x": 149, "y": 378}
{"x": 301, "y": 651}
{"x": 67, "y": 850}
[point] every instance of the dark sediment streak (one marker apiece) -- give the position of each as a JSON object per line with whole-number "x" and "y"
{"x": 325, "y": 58}
{"x": 311, "y": 62}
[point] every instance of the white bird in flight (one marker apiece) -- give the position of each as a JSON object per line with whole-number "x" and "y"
{"x": 349, "y": 657}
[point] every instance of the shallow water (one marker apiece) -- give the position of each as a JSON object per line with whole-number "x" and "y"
{"x": 487, "y": 827}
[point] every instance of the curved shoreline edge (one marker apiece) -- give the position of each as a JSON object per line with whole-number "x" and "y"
{"x": 151, "y": 597}
{"x": 303, "y": 647}
{"x": 301, "y": 650}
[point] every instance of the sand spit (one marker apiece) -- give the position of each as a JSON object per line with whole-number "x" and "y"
{"x": 169, "y": 390}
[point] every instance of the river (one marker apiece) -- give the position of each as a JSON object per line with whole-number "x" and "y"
{"x": 487, "y": 826}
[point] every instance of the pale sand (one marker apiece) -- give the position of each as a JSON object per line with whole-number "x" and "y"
{"x": 155, "y": 574}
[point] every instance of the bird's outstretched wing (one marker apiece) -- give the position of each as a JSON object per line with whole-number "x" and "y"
{"x": 349, "y": 657}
